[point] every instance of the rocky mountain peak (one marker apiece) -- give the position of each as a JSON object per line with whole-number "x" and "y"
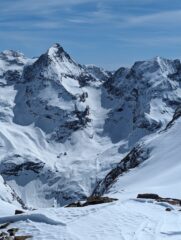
{"x": 13, "y": 57}
{"x": 55, "y": 48}
{"x": 57, "y": 54}
{"x": 55, "y": 62}
{"x": 12, "y": 53}
{"x": 57, "y": 108}
{"x": 157, "y": 64}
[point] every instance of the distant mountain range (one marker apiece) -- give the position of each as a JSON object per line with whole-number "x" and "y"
{"x": 69, "y": 130}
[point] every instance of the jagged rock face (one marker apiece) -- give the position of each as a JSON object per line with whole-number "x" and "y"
{"x": 33, "y": 171}
{"x": 52, "y": 65}
{"x": 158, "y": 161}
{"x": 98, "y": 73}
{"x": 11, "y": 58}
{"x": 93, "y": 76}
{"x": 12, "y": 169}
{"x": 137, "y": 155}
{"x": 48, "y": 74}
{"x": 146, "y": 94}
{"x": 46, "y": 106}
{"x": 64, "y": 126}
{"x": 176, "y": 116}
{"x": 11, "y": 66}
{"x": 8, "y": 195}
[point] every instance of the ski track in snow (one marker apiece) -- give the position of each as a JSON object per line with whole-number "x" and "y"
{"x": 122, "y": 220}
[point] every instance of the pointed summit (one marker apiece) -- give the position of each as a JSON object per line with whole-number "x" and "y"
{"x": 57, "y": 45}
{"x": 54, "y": 63}
{"x": 57, "y": 54}
{"x": 56, "y": 50}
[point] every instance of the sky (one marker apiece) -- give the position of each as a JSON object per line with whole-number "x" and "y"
{"x": 108, "y": 33}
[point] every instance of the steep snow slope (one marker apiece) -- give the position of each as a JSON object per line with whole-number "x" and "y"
{"x": 160, "y": 171}
{"x": 9, "y": 200}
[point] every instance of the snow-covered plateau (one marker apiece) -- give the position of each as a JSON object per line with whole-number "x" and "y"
{"x": 70, "y": 131}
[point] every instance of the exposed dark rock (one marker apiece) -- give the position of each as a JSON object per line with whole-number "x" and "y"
{"x": 12, "y": 76}
{"x": 15, "y": 196}
{"x": 172, "y": 201}
{"x": 119, "y": 109}
{"x": 84, "y": 79}
{"x": 82, "y": 115}
{"x": 15, "y": 169}
{"x": 177, "y": 75}
{"x": 19, "y": 212}
{"x": 5, "y": 225}
{"x": 148, "y": 195}
{"x": 93, "y": 200}
{"x": 149, "y": 125}
{"x": 111, "y": 87}
{"x": 176, "y": 115}
{"x": 12, "y": 231}
{"x": 4, "y": 236}
{"x": 80, "y": 120}
{"x": 83, "y": 96}
{"x": 76, "y": 204}
{"x": 168, "y": 209}
{"x": 132, "y": 160}
{"x": 22, "y": 237}
{"x": 10, "y": 234}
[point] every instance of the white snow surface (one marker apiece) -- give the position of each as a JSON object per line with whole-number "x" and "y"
{"x": 126, "y": 219}
{"x": 160, "y": 173}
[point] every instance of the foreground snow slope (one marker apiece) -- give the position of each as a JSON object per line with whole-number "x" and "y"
{"x": 160, "y": 173}
{"x": 122, "y": 220}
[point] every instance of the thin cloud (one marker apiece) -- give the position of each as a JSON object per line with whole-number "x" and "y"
{"x": 157, "y": 19}
{"x": 150, "y": 41}
{"x": 40, "y": 6}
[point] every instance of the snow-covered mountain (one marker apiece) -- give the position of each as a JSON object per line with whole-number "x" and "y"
{"x": 52, "y": 112}
{"x": 69, "y": 130}
{"x": 57, "y": 108}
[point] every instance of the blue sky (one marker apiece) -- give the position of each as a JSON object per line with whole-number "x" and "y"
{"x": 109, "y": 33}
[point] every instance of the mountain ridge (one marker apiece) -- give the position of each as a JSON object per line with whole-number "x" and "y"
{"x": 65, "y": 126}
